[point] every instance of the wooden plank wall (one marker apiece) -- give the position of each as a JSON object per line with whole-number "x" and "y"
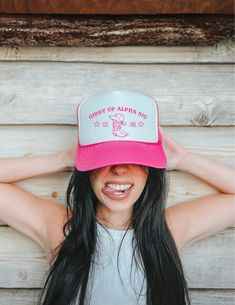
{"x": 39, "y": 92}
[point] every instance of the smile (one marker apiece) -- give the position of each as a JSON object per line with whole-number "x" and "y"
{"x": 119, "y": 187}
{"x": 117, "y": 191}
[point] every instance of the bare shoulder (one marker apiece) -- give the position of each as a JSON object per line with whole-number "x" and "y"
{"x": 193, "y": 220}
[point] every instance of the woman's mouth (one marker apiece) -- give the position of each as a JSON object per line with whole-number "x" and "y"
{"x": 117, "y": 191}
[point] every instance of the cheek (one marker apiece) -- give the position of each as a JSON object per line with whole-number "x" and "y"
{"x": 93, "y": 185}
{"x": 139, "y": 188}
{"x": 94, "y": 178}
{"x": 142, "y": 183}
{"x": 143, "y": 176}
{"x": 96, "y": 187}
{"x": 142, "y": 186}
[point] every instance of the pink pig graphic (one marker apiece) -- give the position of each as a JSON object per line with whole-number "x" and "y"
{"x": 118, "y": 122}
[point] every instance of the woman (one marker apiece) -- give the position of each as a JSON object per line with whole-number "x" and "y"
{"x": 116, "y": 242}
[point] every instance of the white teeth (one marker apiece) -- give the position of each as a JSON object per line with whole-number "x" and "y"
{"x": 119, "y": 187}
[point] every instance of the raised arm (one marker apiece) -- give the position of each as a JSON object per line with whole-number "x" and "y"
{"x": 24, "y": 211}
{"x": 16, "y": 169}
{"x": 205, "y": 216}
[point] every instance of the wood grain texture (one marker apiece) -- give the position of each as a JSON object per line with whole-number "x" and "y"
{"x": 212, "y": 297}
{"x": 198, "y": 296}
{"x": 23, "y": 262}
{"x": 116, "y": 7}
{"x": 78, "y": 30}
{"x": 33, "y": 140}
{"x": 223, "y": 52}
{"x": 48, "y": 93}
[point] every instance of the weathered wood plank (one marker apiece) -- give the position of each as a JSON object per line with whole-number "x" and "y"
{"x": 19, "y": 296}
{"x": 32, "y": 93}
{"x": 117, "y": 30}
{"x": 212, "y": 297}
{"x": 198, "y": 297}
{"x": 34, "y": 140}
{"x": 221, "y": 53}
{"x": 23, "y": 263}
{"x": 114, "y": 7}
{"x": 201, "y": 261}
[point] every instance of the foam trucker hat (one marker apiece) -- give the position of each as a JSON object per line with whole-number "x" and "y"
{"x": 119, "y": 127}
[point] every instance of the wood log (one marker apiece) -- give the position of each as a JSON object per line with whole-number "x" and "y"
{"x": 117, "y": 7}
{"x": 80, "y": 30}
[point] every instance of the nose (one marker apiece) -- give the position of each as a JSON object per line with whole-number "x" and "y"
{"x": 119, "y": 169}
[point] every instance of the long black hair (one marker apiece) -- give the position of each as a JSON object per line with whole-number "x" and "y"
{"x": 154, "y": 245}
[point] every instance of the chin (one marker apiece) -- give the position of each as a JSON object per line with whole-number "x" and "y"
{"x": 118, "y": 206}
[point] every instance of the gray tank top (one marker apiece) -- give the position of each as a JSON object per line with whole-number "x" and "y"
{"x": 105, "y": 285}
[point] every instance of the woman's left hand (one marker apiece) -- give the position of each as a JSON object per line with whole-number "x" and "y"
{"x": 175, "y": 152}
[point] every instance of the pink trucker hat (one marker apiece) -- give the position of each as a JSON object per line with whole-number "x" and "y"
{"x": 119, "y": 127}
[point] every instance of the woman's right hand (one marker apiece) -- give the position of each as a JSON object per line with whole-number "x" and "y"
{"x": 175, "y": 152}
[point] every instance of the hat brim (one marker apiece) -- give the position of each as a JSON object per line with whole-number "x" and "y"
{"x": 120, "y": 152}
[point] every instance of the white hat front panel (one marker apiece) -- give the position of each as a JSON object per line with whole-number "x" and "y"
{"x": 120, "y": 115}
